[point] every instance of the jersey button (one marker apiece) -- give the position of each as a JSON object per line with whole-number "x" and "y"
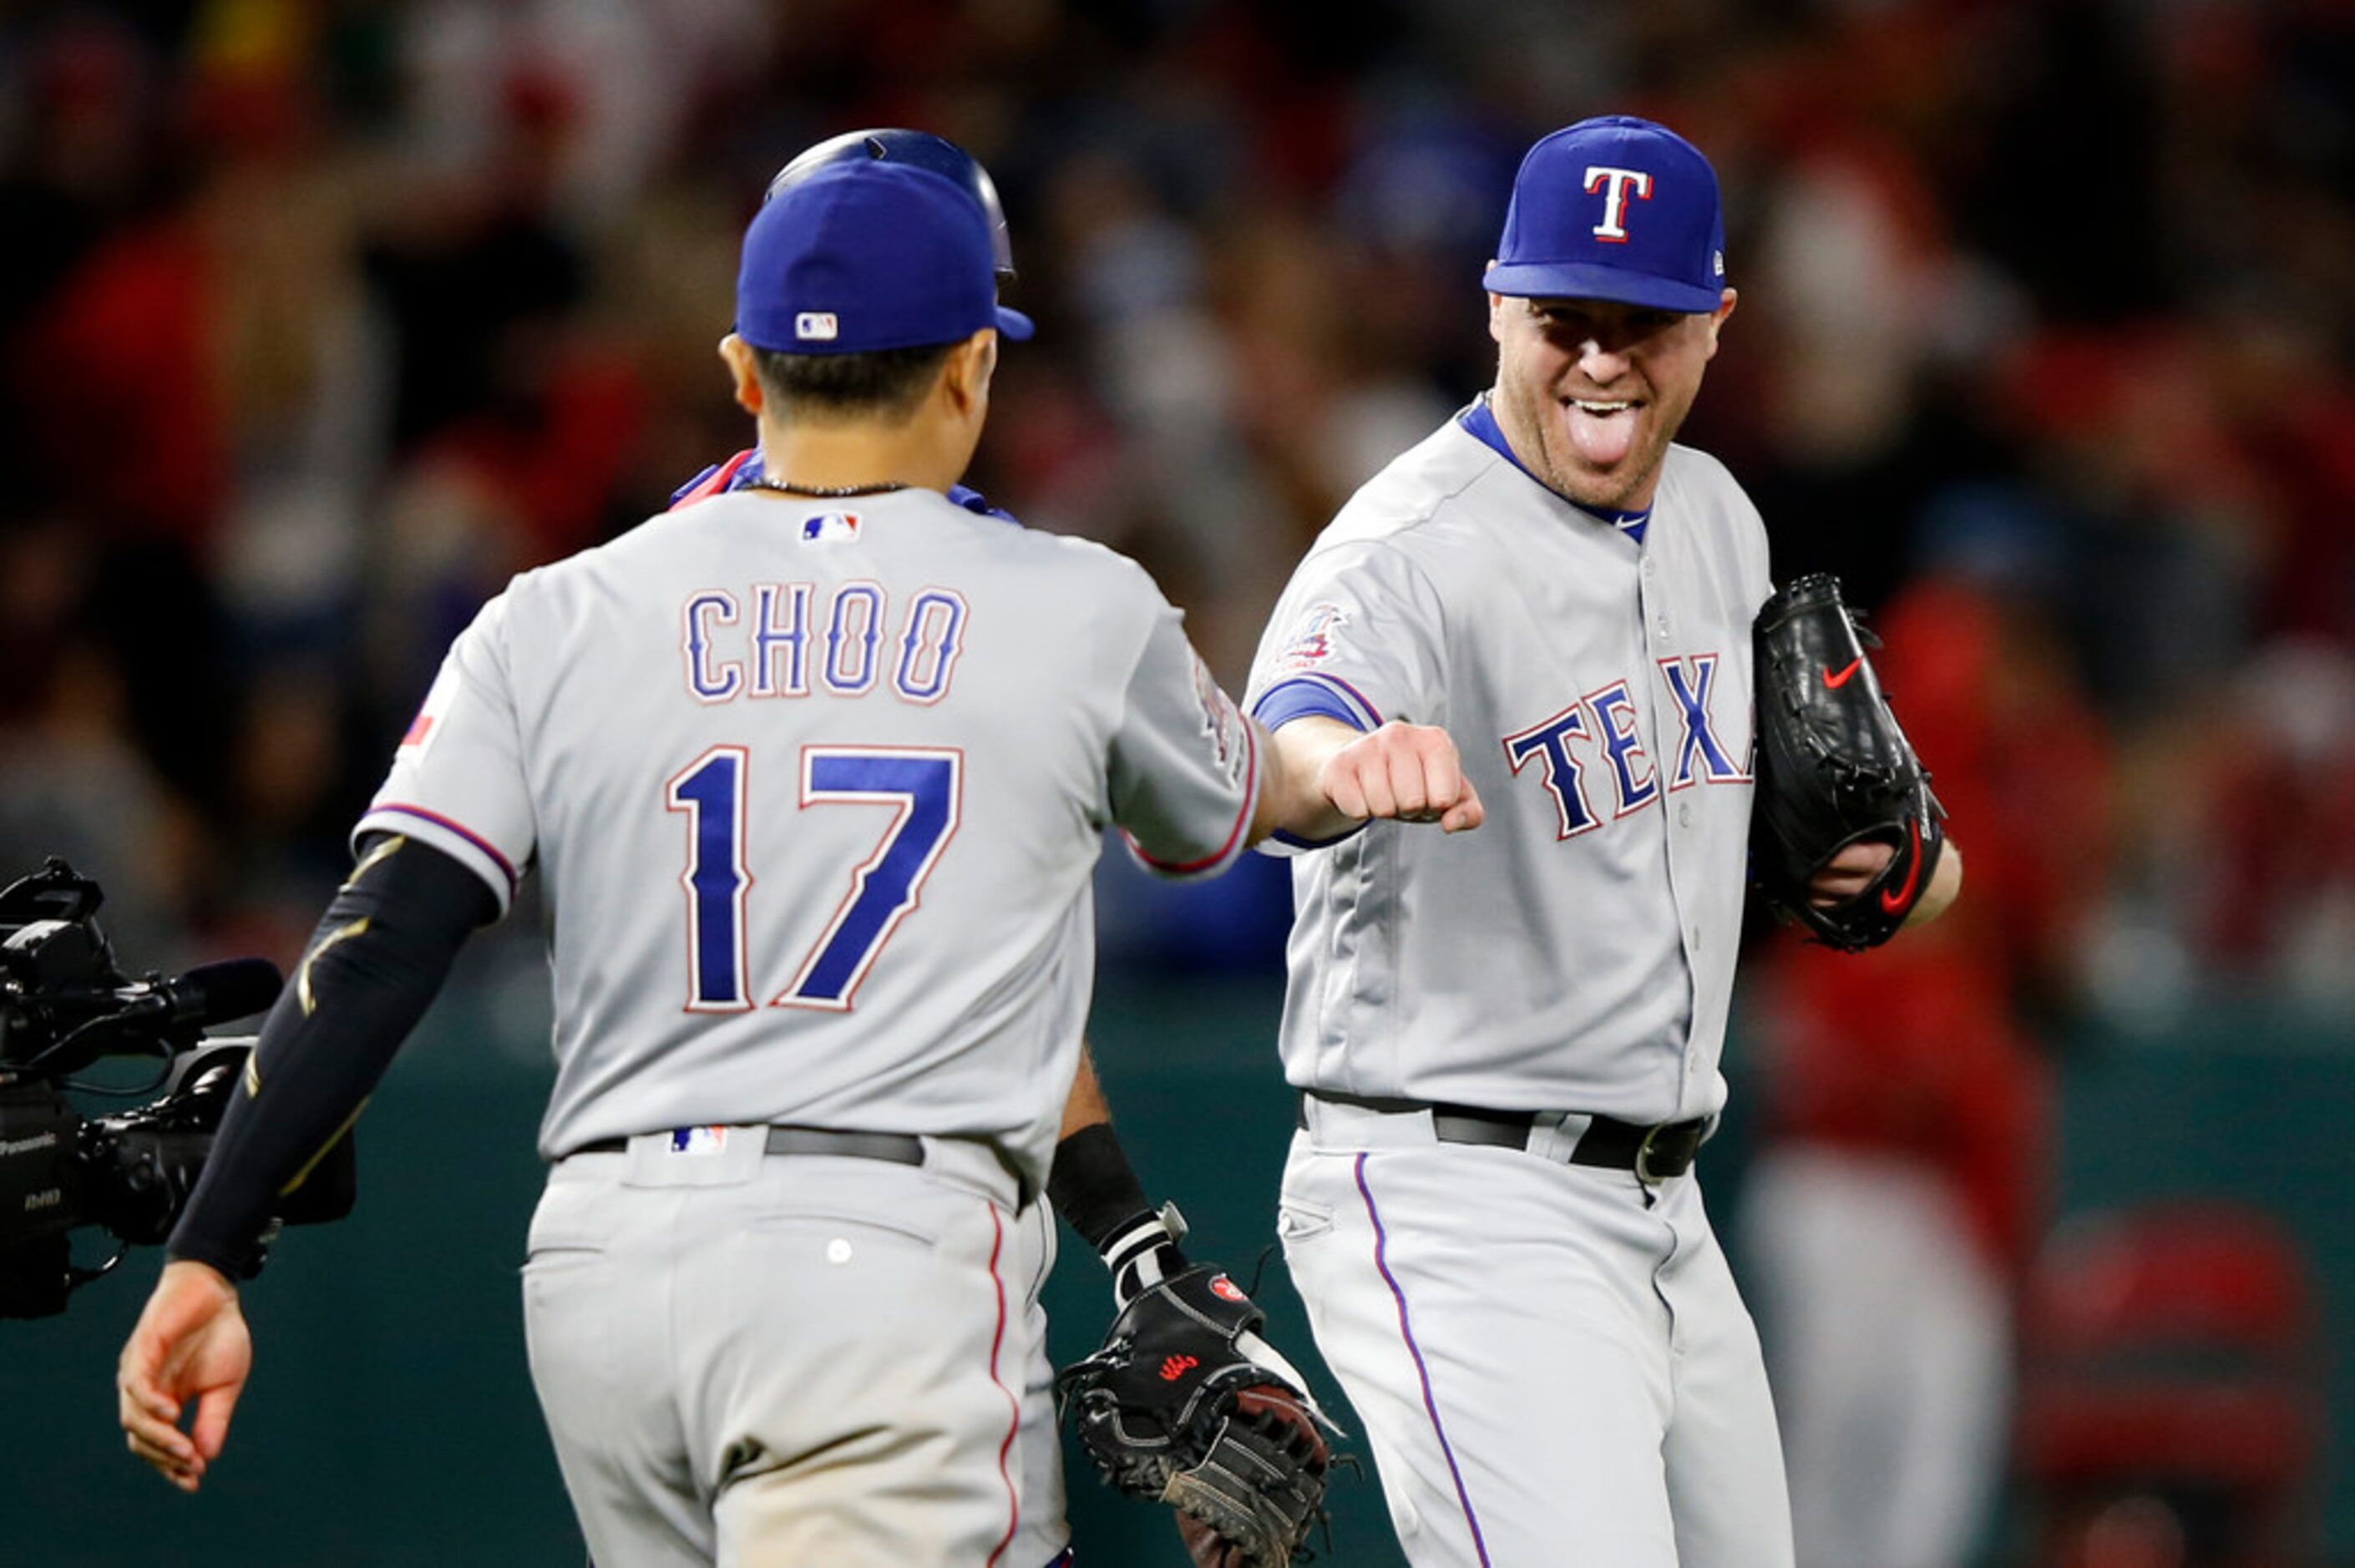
{"x": 1684, "y": 814}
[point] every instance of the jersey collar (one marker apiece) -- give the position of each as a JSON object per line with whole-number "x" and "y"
{"x": 743, "y": 471}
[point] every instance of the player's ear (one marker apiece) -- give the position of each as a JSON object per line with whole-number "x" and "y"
{"x": 1717, "y": 317}
{"x": 971, "y": 363}
{"x": 1496, "y": 306}
{"x": 737, "y": 354}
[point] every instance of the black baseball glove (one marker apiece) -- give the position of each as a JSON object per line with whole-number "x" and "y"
{"x": 1186, "y": 1404}
{"x": 1834, "y": 770}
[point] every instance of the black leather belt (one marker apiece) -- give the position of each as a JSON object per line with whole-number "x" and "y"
{"x": 898, "y": 1148}
{"x": 1654, "y": 1154}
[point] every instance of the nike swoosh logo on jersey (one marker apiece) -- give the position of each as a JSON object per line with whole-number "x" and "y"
{"x": 1836, "y": 681}
{"x": 1902, "y": 898}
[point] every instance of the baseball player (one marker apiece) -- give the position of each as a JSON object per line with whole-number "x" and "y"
{"x": 814, "y": 776}
{"x": 1507, "y": 1044}
{"x": 1091, "y": 1185}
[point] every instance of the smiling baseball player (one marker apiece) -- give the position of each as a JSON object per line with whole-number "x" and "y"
{"x": 814, "y": 775}
{"x": 1507, "y": 1044}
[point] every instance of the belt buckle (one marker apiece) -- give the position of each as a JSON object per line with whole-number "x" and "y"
{"x": 1644, "y": 1156}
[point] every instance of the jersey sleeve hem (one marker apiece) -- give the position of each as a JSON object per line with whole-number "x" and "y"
{"x": 1293, "y": 842}
{"x": 1303, "y": 696}
{"x": 454, "y": 838}
{"x": 1226, "y": 853}
{"x": 1313, "y": 696}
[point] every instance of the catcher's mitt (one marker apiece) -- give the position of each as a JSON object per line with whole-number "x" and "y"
{"x": 1834, "y": 770}
{"x": 1186, "y": 1404}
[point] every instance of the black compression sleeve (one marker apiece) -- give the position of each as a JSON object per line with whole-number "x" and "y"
{"x": 1091, "y": 1185}
{"x": 374, "y": 963}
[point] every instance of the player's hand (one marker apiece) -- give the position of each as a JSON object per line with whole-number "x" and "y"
{"x": 1409, "y": 772}
{"x": 1848, "y": 874}
{"x": 1852, "y": 871}
{"x": 1185, "y": 1403}
{"x": 191, "y": 1343}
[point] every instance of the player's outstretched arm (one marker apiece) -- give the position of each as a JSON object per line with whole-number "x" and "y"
{"x": 376, "y": 962}
{"x": 1324, "y": 778}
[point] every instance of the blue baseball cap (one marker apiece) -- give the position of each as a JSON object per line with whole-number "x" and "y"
{"x": 864, "y": 256}
{"x": 1614, "y": 208}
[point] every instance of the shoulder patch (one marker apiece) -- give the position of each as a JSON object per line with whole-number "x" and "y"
{"x": 1312, "y": 641}
{"x": 1223, "y": 723}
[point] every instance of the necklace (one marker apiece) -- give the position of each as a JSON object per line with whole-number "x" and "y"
{"x": 825, "y": 492}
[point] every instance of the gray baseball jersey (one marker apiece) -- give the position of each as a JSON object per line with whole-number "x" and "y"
{"x": 1577, "y": 952}
{"x": 1595, "y": 1391}
{"x": 815, "y": 790}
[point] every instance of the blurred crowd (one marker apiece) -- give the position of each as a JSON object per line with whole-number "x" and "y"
{"x": 318, "y": 318}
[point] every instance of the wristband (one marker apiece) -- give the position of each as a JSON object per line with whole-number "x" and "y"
{"x": 1091, "y": 1186}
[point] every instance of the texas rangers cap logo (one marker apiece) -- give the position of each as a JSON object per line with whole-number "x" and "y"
{"x": 1616, "y": 185}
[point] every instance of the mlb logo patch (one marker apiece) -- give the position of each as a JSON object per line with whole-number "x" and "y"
{"x": 698, "y": 1140}
{"x": 830, "y": 527}
{"x": 816, "y": 327}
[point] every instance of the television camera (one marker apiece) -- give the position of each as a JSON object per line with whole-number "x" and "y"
{"x": 64, "y": 1004}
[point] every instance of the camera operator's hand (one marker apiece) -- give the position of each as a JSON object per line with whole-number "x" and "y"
{"x": 191, "y": 1343}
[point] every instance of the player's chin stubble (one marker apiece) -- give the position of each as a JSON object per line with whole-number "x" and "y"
{"x": 1542, "y": 434}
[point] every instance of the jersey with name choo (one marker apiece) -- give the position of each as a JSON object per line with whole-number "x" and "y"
{"x": 1576, "y": 953}
{"x": 815, "y": 790}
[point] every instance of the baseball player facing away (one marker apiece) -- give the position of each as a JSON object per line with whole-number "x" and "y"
{"x": 1507, "y": 1044}
{"x": 1091, "y": 1184}
{"x": 814, "y": 775}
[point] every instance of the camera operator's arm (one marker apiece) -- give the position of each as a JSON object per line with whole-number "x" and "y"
{"x": 374, "y": 965}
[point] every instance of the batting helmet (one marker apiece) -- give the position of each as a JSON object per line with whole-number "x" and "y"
{"x": 926, "y": 150}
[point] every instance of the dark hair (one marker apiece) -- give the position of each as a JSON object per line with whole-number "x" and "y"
{"x": 889, "y": 382}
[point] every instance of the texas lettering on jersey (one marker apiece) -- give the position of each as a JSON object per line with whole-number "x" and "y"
{"x": 791, "y": 640}
{"x": 1601, "y": 733}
